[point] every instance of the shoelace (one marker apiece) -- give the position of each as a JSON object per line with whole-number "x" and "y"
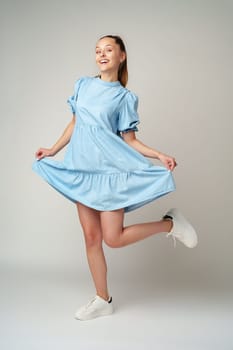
{"x": 90, "y": 303}
{"x": 170, "y": 233}
{"x": 173, "y": 237}
{"x": 94, "y": 299}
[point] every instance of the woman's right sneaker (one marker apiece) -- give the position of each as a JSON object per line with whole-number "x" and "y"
{"x": 181, "y": 229}
{"x": 97, "y": 307}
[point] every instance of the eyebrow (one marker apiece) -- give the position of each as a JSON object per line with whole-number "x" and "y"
{"x": 97, "y": 47}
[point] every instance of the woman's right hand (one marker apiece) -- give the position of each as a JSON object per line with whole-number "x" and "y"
{"x": 44, "y": 152}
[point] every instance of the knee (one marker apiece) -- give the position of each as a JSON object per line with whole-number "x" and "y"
{"x": 93, "y": 238}
{"x": 112, "y": 242}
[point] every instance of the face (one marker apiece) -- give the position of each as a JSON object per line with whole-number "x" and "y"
{"x": 108, "y": 55}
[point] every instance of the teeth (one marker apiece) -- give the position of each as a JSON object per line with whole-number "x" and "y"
{"x": 104, "y": 61}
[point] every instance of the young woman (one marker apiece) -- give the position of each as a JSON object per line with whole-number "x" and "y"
{"x": 106, "y": 172}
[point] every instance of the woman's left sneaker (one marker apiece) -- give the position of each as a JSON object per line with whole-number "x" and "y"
{"x": 181, "y": 229}
{"x": 97, "y": 307}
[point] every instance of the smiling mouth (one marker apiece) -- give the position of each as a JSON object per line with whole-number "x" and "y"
{"x": 104, "y": 61}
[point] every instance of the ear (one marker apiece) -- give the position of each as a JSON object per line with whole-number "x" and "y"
{"x": 123, "y": 57}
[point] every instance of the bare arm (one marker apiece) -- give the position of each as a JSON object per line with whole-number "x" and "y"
{"x": 131, "y": 140}
{"x": 61, "y": 142}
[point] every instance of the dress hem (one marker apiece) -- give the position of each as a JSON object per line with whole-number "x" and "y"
{"x": 127, "y": 207}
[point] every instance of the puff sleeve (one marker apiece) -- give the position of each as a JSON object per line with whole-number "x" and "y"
{"x": 128, "y": 115}
{"x": 72, "y": 100}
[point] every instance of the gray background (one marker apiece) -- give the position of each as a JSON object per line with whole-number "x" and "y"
{"x": 180, "y": 57}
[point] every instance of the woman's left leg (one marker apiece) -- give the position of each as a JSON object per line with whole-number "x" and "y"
{"x": 115, "y": 235}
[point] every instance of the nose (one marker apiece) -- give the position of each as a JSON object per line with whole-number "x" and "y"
{"x": 102, "y": 53}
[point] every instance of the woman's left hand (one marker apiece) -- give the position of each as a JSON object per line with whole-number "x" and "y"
{"x": 168, "y": 161}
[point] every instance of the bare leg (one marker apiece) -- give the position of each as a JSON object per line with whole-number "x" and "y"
{"x": 90, "y": 221}
{"x": 115, "y": 235}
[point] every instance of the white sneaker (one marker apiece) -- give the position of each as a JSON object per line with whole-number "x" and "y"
{"x": 95, "y": 308}
{"x": 182, "y": 229}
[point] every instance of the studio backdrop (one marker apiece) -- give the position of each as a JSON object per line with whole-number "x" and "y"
{"x": 180, "y": 66}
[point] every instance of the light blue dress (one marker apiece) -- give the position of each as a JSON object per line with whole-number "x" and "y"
{"x": 99, "y": 168}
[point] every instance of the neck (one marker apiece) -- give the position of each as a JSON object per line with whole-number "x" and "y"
{"x": 109, "y": 76}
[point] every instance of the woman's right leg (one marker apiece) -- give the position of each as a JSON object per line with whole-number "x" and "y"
{"x": 90, "y": 222}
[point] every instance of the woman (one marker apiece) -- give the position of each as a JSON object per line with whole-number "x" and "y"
{"x": 105, "y": 171}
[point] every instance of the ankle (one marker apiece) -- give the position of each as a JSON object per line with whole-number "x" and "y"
{"x": 103, "y": 296}
{"x": 169, "y": 224}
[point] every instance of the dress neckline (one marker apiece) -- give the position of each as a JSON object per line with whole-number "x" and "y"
{"x": 107, "y": 83}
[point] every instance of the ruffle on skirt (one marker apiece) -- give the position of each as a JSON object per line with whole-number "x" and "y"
{"x": 106, "y": 191}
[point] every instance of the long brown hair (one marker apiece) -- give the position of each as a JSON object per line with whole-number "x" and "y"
{"x": 122, "y": 70}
